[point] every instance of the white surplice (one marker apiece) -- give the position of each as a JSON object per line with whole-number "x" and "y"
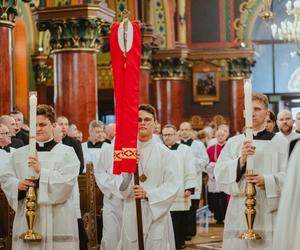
{"x": 187, "y": 177}
{"x": 201, "y": 160}
{"x": 56, "y": 216}
{"x": 288, "y": 219}
{"x": 91, "y": 154}
{"x": 269, "y": 161}
{"x": 112, "y": 200}
{"x": 162, "y": 185}
{"x": 4, "y": 159}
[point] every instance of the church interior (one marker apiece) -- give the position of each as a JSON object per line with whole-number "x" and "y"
{"x": 196, "y": 55}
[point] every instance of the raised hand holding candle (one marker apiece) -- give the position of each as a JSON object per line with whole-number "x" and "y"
{"x": 32, "y": 127}
{"x": 248, "y": 117}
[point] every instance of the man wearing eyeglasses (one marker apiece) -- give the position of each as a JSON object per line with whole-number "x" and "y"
{"x": 200, "y": 162}
{"x": 187, "y": 177}
{"x": 159, "y": 183}
{"x": 10, "y": 123}
{"x": 5, "y": 149}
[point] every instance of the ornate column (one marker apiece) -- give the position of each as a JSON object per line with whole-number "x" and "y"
{"x": 75, "y": 40}
{"x": 7, "y": 23}
{"x": 148, "y": 46}
{"x": 239, "y": 69}
{"x": 42, "y": 66}
{"x": 169, "y": 79}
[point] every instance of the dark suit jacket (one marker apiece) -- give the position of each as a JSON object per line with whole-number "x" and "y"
{"x": 16, "y": 142}
{"x": 23, "y": 136}
{"x": 67, "y": 140}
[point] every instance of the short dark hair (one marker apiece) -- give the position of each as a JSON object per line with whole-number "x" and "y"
{"x": 16, "y": 112}
{"x": 170, "y": 126}
{"x": 46, "y": 110}
{"x": 149, "y": 109}
{"x": 272, "y": 116}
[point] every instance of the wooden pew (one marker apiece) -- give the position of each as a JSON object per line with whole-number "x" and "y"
{"x": 6, "y": 222}
{"x": 91, "y": 203}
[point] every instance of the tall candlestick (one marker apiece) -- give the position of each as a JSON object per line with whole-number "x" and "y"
{"x": 248, "y": 117}
{"x": 32, "y": 127}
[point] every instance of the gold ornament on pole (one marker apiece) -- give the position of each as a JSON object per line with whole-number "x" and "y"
{"x": 31, "y": 195}
{"x": 266, "y": 12}
{"x": 250, "y": 190}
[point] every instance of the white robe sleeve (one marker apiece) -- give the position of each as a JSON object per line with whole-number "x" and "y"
{"x": 9, "y": 185}
{"x": 190, "y": 172}
{"x": 106, "y": 181}
{"x": 162, "y": 197}
{"x": 226, "y": 171}
{"x": 200, "y": 154}
{"x": 274, "y": 182}
{"x": 56, "y": 185}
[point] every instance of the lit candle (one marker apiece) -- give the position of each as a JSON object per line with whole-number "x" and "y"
{"x": 248, "y": 117}
{"x": 32, "y": 128}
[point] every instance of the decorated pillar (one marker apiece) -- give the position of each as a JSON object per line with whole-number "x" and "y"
{"x": 239, "y": 69}
{"x": 42, "y": 66}
{"x": 7, "y": 23}
{"x": 75, "y": 40}
{"x": 169, "y": 79}
{"x": 147, "y": 47}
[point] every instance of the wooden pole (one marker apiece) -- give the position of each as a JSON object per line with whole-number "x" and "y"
{"x": 139, "y": 219}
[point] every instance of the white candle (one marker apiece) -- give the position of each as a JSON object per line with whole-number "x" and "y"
{"x": 248, "y": 117}
{"x": 32, "y": 128}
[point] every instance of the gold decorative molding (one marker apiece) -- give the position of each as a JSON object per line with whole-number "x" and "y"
{"x": 8, "y": 24}
{"x": 74, "y": 50}
{"x": 105, "y": 78}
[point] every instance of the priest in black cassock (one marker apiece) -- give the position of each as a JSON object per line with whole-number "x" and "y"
{"x": 20, "y": 132}
{"x": 63, "y": 122}
{"x": 10, "y": 122}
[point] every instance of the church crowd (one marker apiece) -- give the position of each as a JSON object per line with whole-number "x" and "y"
{"x": 172, "y": 164}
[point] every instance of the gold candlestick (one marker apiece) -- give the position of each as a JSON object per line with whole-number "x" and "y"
{"x": 31, "y": 206}
{"x": 250, "y": 211}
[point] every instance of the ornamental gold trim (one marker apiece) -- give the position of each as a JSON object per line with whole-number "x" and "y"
{"x": 8, "y": 24}
{"x": 55, "y": 51}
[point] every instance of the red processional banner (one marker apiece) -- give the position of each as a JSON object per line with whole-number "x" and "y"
{"x": 125, "y": 51}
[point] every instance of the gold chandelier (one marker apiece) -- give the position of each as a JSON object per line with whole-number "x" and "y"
{"x": 266, "y": 12}
{"x": 289, "y": 31}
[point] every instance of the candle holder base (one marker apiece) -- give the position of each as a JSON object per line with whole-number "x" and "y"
{"x": 31, "y": 236}
{"x": 250, "y": 210}
{"x": 31, "y": 207}
{"x": 250, "y": 235}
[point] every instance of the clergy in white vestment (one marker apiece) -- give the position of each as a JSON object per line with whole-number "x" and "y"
{"x": 57, "y": 167}
{"x": 270, "y": 153}
{"x": 112, "y": 200}
{"x": 93, "y": 147}
{"x": 159, "y": 184}
{"x": 201, "y": 160}
{"x": 288, "y": 219}
{"x": 187, "y": 177}
{"x": 285, "y": 125}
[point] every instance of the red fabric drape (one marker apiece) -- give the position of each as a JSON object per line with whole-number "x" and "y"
{"x": 126, "y": 74}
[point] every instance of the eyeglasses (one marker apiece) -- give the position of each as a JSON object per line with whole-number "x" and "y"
{"x": 145, "y": 120}
{"x": 5, "y": 133}
{"x": 165, "y": 135}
